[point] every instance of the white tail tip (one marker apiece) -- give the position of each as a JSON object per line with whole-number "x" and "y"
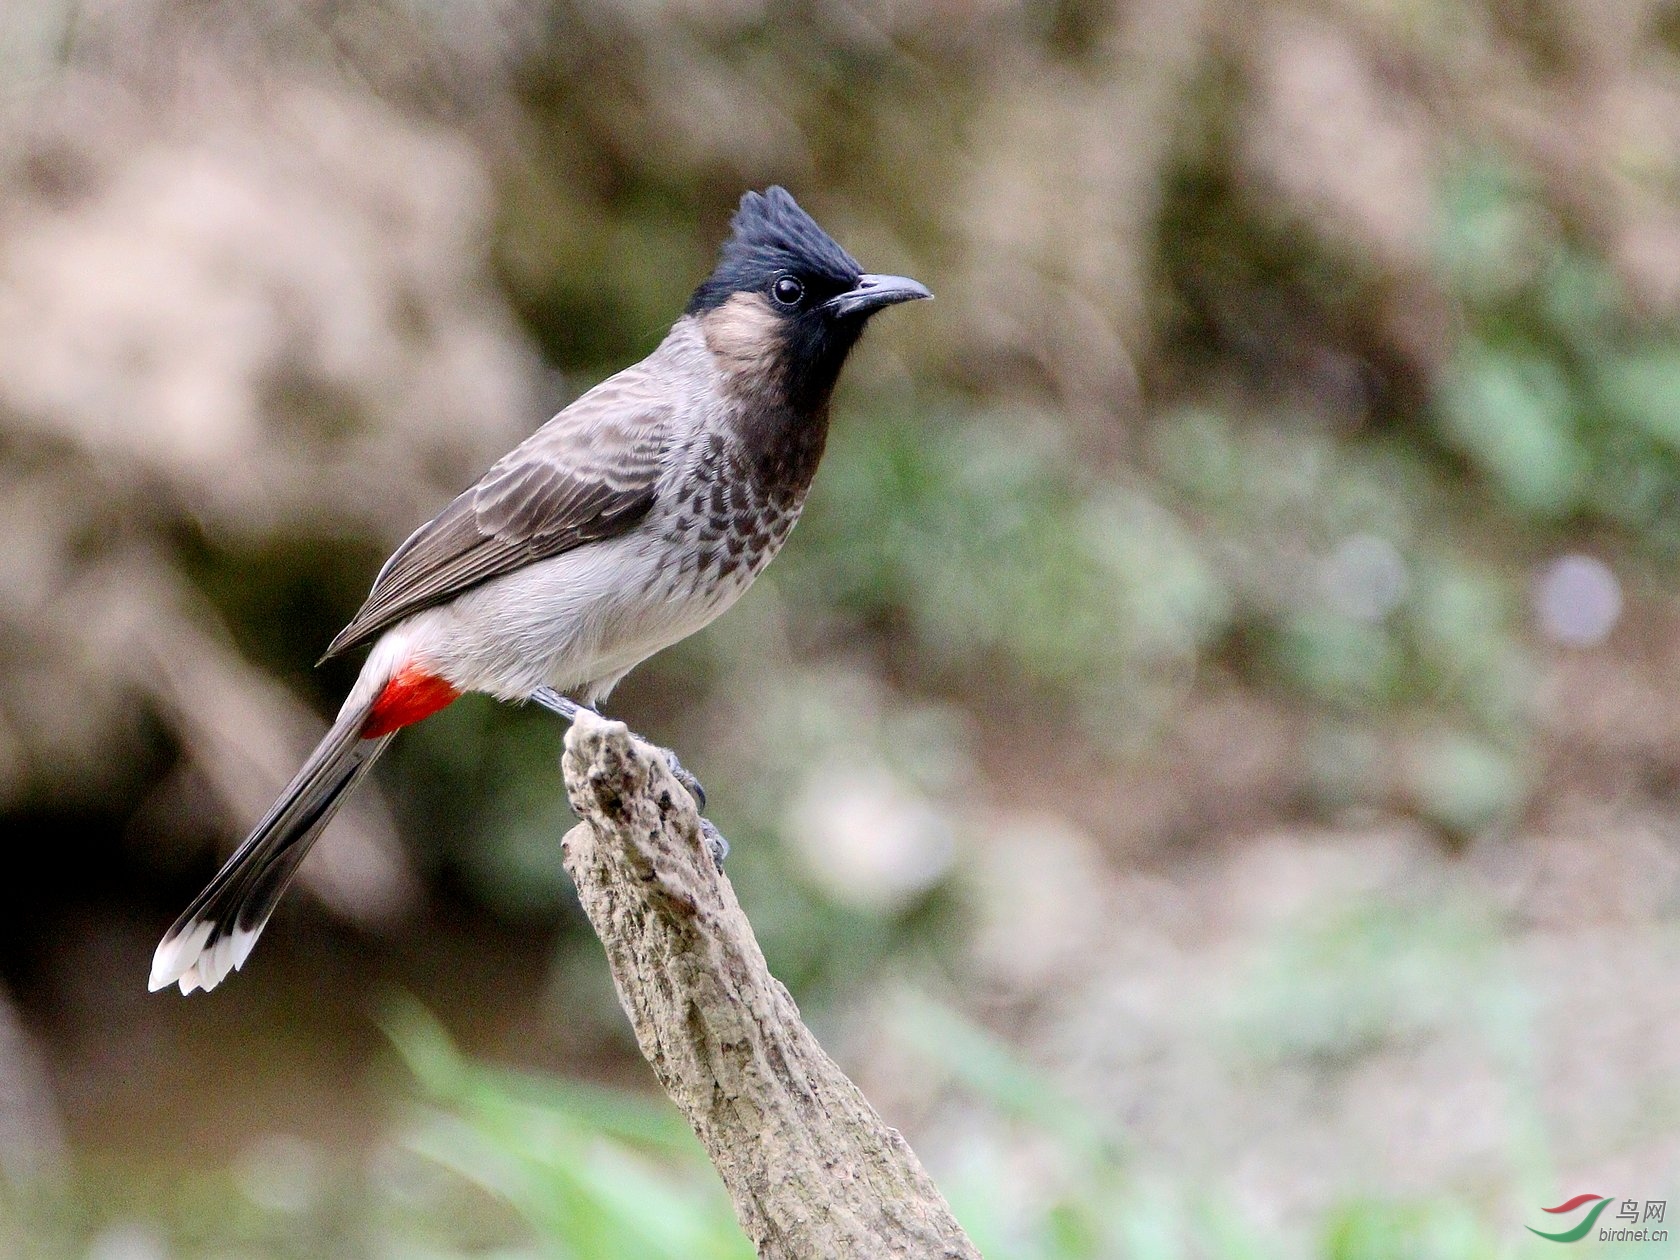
{"x": 182, "y": 958}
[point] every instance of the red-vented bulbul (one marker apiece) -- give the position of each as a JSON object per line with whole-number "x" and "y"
{"x": 627, "y": 522}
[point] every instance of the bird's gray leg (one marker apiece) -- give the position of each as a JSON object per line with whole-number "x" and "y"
{"x": 569, "y": 709}
{"x": 554, "y": 702}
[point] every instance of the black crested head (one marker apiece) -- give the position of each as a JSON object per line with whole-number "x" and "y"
{"x": 786, "y": 303}
{"x": 771, "y": 236}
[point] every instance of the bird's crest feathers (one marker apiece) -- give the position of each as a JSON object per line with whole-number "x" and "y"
{"x": 771, "y": 234}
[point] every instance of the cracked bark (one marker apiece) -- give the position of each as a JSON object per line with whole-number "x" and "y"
{"x": 812, "y": 1169}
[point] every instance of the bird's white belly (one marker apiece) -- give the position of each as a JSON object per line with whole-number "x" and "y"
{"x": 576, "y": 622}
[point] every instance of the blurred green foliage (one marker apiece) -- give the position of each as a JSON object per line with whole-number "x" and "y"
{"x": 977, "y": 535}
{"x": 1561, "y": 395}
{"x": 592, "y": 1173}
{"x": 602, "y": 1174}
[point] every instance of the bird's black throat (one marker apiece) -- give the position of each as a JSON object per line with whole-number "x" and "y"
{"x": 813, "y": 350}
{"x": 784, "y": 416}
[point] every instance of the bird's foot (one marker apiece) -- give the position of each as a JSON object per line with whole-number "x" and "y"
{"x": 685, "y": 776}
{"x": 716, "y": 845}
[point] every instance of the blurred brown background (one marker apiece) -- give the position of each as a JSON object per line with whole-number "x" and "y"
{"x": 1208, "y": 763}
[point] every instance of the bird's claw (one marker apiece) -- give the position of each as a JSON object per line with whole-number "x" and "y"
{"x": 683, "y": 776}
{"x": 716, "y": 845}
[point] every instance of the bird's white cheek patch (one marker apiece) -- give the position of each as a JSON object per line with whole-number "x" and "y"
{"x": 744, "y": 335}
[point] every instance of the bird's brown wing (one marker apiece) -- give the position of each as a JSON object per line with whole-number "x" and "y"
{"x": 586, "y": 475}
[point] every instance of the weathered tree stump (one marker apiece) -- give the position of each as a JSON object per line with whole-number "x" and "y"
{"x": 812, "y": 1170}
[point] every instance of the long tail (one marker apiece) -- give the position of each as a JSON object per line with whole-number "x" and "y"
{"x": 215, "y": 935}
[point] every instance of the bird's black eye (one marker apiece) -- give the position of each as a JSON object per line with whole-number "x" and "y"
{"x": 787, "y": 291}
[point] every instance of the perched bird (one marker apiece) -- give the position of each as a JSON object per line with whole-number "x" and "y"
{"x": 627, "y": 522}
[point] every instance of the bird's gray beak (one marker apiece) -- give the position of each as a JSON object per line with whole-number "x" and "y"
{"x": 871, "y": 293}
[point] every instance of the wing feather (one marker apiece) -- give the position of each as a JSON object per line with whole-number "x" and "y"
{"x": 586, "y": 475}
